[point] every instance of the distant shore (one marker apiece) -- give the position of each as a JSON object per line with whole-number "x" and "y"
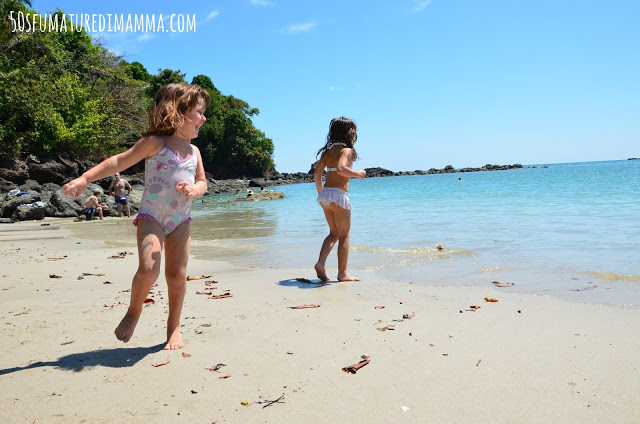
{"x": 39, "y": 186}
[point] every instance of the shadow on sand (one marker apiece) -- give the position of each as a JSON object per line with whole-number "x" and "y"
{"x": 303, "y": 283}
{"x": 112, "y": 358}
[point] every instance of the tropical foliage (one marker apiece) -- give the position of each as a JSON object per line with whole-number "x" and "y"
{"x": 63, "y": 92}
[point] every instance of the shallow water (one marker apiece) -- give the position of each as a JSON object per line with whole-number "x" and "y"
{"x": 569, "y": 230}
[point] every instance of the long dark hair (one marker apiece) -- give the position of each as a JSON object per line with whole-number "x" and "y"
{"x": 341, "y": 130}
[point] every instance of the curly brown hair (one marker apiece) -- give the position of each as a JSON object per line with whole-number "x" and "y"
{"x": 341, "y": 130}
{"x": 170, "y": 104}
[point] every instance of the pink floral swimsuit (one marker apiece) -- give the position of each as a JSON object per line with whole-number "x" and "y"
{"x": 161, "y": 201}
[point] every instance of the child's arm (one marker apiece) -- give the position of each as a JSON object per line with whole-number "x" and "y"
{"x": 344, "y": 169}
{"x": 317, "y": 174}
{"x": 145, "y": 147}
{"x": 199, "y": 187}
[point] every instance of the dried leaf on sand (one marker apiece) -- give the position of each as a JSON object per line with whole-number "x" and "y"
{"x": 499, "y": 284}
{"x": 201, "y": 277}
{"x": 355, "y": 367}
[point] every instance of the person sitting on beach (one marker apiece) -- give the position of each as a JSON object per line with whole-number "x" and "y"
{"x": 91, "y": 206}
{"x": 249, "y": 192}
{"x": 174, "y": 175}
{"x": 337, "y": 155}
{"x": 117, "y": 188}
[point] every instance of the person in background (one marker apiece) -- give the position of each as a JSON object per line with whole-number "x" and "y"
{"x": 117, "y": 188}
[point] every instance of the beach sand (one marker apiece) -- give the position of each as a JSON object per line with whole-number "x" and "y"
{"x": 523, "y": 359}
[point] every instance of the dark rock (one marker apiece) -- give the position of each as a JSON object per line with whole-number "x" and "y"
{"x": 14, "y": 170}
{"x": 48, "y": 172}
{"x": 72, "y": 167}
{"x": 28, "y": 213}
{"x": 6, "y": 186}
{"x": 256, "y": 183}
{"x": 58, "y": 204}
{"x": 31, "y": 186}
{"x": 378, "y": 172}
{"x": 9, "y": 204}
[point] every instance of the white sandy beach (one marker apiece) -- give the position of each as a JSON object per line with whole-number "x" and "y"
{"x": 523, "y": 359}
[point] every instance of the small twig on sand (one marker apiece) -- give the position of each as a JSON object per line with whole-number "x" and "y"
{"x": 304, "y": 306}
{"x": 271, "y": 402}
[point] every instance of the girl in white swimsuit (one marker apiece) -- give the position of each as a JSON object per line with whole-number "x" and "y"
{"x": 337, "y": 156}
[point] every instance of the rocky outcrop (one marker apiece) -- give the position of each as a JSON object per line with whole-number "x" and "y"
{"x": 261, "y": 195}
{"x": 449, "y": 169}
{"x": 379, "y": 172}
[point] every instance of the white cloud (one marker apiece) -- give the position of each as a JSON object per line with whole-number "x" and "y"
{"x": 420, "y": 5}
{"x": 261, "y": 2}
{"x": 212, "y": 15}
{"x": 145, "y": 36}
{"x": 336, "y": 88}
{"x": 306, "y": 27}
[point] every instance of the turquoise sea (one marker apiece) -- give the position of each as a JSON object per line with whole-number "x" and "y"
{"x": 570, "y": 230}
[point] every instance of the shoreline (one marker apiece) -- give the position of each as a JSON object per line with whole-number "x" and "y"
{"x": 525, "y": 358}
{"x": 450, "y": 267}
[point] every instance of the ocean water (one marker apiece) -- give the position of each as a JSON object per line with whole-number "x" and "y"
{"x": 568, "y": 230}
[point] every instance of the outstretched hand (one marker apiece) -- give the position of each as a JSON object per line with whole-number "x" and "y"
{"x": 75, "y": 187}
{"x": 187, "y": 190}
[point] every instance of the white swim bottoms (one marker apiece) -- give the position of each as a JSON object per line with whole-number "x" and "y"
{"x": 330, "y": 195}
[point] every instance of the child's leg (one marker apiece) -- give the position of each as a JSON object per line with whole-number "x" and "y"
{"x": 327, "y": 245}
{"x": 150, "y": 239}
{"x": 176, "y": 254}
{"x": 342, "y": 219}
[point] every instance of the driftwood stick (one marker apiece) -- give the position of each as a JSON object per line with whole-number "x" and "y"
{"x": 271, "y": 402}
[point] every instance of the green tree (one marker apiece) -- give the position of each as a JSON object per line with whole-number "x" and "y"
{"x": 138, "y": 72}
{"x": 164, "y": 77}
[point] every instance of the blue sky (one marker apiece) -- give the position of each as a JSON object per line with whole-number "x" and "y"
{"x": 429, "y": 83}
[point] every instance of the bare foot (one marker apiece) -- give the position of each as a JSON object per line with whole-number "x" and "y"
{"x": 125, "y": 329}
{"x": 347, "y": 277}
{"x": 320, "y": 272}
{"x": 174, "y": 339}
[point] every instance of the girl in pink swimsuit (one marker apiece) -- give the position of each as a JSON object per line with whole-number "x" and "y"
{"x": 174, "y": 175}
{"x": 337, "y": 156}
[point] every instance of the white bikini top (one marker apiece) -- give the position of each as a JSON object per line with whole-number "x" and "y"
{"x": 331, "y": 146}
